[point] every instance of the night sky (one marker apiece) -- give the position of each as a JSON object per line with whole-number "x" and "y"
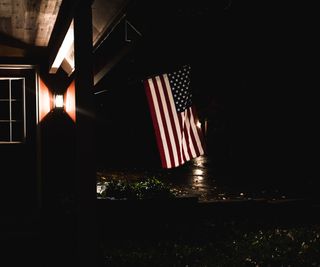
{"x": 247, "y": 65}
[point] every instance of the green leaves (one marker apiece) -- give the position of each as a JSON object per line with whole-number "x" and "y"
{"x": 150, "y": 188}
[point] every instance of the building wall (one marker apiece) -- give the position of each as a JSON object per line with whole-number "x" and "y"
{"x": 18, "y": 174}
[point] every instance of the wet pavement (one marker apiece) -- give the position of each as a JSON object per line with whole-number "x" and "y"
{"x": 199, "y": 178}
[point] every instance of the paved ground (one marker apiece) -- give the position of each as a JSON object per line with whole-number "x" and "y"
{"x": 200, "y": 178}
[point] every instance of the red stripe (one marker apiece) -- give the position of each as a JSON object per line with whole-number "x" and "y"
{"x": 164, "y": 122}
{"x": 195, "y": 145}
{"x": 174, "y": 129}
{"x": 155, "y": 124}
{"x": 181, "y": 128}
{"x": 187, "y": 134}
{"x": 201, "y": 137}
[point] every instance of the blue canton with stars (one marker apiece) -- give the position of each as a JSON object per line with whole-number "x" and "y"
{"x": 180, "y": 86}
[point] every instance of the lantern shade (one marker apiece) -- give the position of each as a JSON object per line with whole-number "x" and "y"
{"x": 70, "y": 101}
{"x": 45, "y": 100}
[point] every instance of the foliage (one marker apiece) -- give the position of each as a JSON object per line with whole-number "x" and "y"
{"x": 116, "y": 189}
{"x": 146, "y": 189}
{"x": 151, "y": 188}
{"x": 270, "y": 247}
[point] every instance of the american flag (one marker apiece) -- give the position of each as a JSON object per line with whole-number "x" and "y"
{"x": 174, "y": 118}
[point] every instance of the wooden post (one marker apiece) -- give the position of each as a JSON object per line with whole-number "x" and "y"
{"x": 85, "y": 153}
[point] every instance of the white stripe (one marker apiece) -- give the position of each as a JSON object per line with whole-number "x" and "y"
{"x": 169, "y": 125}
{"x": 158, "y": 114}
{"x": 195, "y": 132}
{"x": 175, "y": 116}
{"x": 193, "y": 152}
{"x": 184, "y": 143}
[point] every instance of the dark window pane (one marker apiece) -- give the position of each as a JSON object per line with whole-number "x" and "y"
{"x": 17, "y": 89}
{"x": 4, "y": 89}
{"x": 17, "y": 131}
{"x": 4, "y": 132}
{"x": 17, "y": 110}
{"x": 4, "y": 110}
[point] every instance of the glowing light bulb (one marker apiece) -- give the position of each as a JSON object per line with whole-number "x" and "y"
{"x": 58, "y": 101}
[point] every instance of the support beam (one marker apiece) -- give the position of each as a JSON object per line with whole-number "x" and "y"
{"x": 61, "y": 27}
{"x": 85, "y": 153}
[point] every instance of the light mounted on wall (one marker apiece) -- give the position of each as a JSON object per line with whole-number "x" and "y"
{"x": 58, "y": 101}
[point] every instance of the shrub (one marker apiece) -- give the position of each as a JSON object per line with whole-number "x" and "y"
{"x": 147, "y": 189}
{"x": 115, "y": 189}
{"x": 151, "y": 188}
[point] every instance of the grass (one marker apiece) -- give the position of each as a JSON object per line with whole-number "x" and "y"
{"x": 209, "y": 245}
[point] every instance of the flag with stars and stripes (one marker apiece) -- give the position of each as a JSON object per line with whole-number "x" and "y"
{"x": 174, "y": 118}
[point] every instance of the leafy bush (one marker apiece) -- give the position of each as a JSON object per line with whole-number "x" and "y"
{"x": 147, "y": 189}
{"x": 116, "y": 189}
{"x": 151, "y": 188}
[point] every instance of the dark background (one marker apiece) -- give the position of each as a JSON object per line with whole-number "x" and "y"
{"x": 250, "y": 80}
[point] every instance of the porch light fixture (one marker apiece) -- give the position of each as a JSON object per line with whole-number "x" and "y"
{"x": 58, "y": 101}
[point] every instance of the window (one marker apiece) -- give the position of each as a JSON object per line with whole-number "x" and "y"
{"x": 12, "y": 110}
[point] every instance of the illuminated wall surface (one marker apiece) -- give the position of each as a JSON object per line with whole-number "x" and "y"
{"x": 70, "y": 101}
{"x": 45, "y": 100}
